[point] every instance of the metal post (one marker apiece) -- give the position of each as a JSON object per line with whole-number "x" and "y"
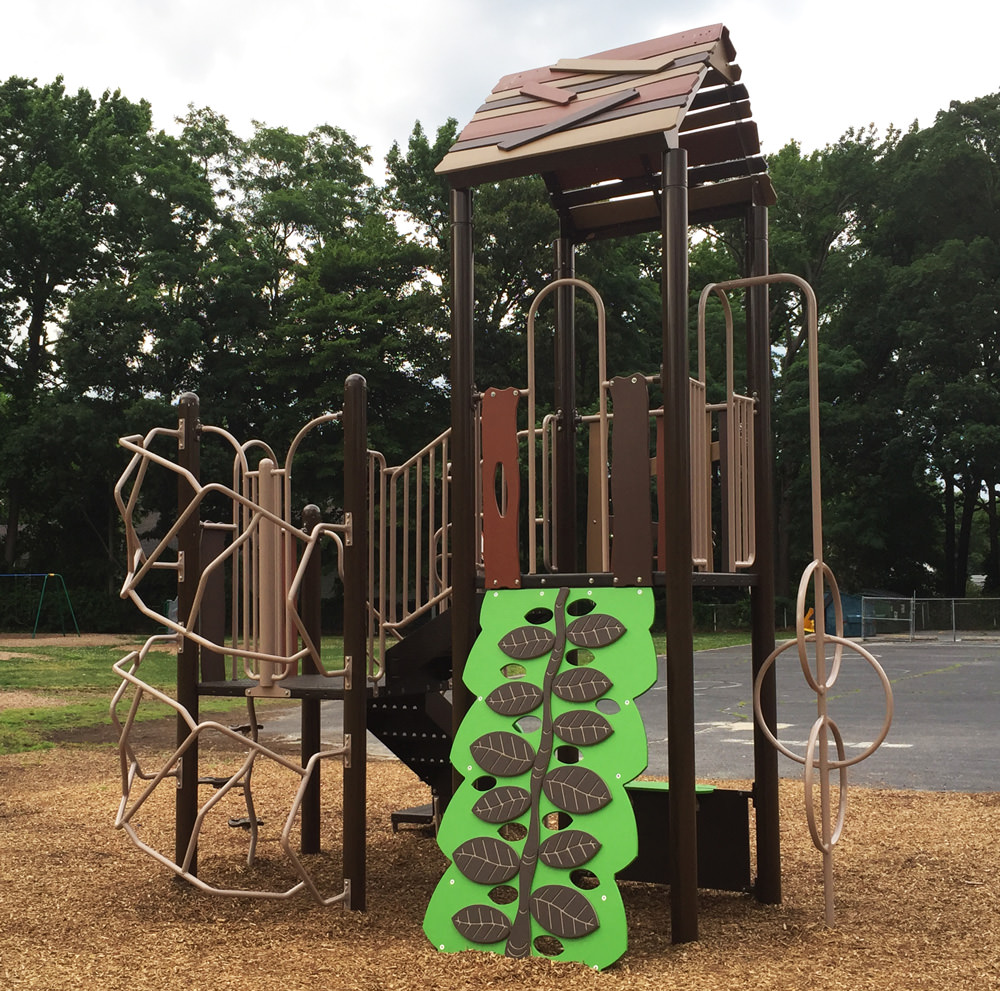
{"x": 564, "y": 506}
{"x": 310, "y": 606}
{"x": 188, "y": 651}
{"x": 768, "y": 884}
{"x": 682, "y": 850}
{"x": 464, "y": 613}
{"x": 355, "y": 635}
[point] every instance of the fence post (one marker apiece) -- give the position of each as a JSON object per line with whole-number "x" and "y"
{"x": 954, "y": 636}
{"x": 311, "y": 611}
{"x": 188, "y": 651}
{"x": 355, "y": 635}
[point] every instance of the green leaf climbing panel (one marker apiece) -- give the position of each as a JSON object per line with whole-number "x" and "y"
{"x": 541, "y": 822}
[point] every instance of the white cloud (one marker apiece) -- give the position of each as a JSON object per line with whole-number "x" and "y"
{"x": 374, "y": 68}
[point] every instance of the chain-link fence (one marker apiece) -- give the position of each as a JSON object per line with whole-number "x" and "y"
{"x": 957, "y": 618}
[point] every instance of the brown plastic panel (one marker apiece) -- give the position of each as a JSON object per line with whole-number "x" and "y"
{"x": 500, "y": 534}
{"x": 632, "y": 542}
{"x": 640, "y": 50}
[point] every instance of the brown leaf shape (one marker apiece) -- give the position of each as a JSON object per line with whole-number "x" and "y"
{"x": 502, "y": 804}
{"x": 482, "y": 924}
{"x": 568, "y": 848}
{"x": 581, "y": 684}
{"x": 503, "y": 754}
{"x": 594, "y": 630}
{"x": 563, "y": 911}
{"x": 576, "y": 789}
{"x": 514, "y": 698}
{"x": 582, "y": 727}
{"x": 527, "y": 642}
{"x": 486, "y": 860}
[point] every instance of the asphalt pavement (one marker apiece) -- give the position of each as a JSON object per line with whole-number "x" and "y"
{"x": 945, "y": 733}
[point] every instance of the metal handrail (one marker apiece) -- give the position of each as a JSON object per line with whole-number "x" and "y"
{"x": 410, "y": 517}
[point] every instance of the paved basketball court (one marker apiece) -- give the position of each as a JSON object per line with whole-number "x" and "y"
{"x": 945, "y": 734}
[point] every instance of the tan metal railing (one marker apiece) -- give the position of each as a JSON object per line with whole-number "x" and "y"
{"x": 701, "y": 478}
{"x": 410, "y": 554}
{"x": 734, "y": 423}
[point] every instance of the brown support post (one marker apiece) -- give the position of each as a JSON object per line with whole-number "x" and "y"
{"x": 768, "y": 885}
{"x": 355, "y": 635}
{"x": 564, "y": 507}
{"x": 188, "y": 652}
{"x": 682, "y": 850}
{"x": 464, "y": 614}
{"x": 310, "y": 606}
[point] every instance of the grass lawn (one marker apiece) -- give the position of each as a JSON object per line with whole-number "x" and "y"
{"x": 68, "y": 686}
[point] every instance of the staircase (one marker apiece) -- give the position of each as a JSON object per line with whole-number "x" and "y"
{"x": 411, "y": 715}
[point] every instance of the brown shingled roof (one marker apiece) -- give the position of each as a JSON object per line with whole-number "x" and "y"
{"x": 595, "y": 128}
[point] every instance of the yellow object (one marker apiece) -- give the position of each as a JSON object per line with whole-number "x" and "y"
{"x": 807, "y": 624}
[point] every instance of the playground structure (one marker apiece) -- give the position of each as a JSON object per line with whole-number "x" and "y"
{"x": 653, "y": 137}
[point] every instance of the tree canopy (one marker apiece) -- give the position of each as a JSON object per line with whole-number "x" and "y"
{"x": 260, "y": 270}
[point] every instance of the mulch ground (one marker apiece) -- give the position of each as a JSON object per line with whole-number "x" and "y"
{"x": 917, "y": 878}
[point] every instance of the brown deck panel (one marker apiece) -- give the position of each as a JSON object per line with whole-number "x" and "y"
{"x": 714, "y": 116}
{"x": 576, "y": 173}
{"x": 644, "y": 183}
{"x": 592, "y": 90}
{"x": 584, "y": 114}
{"x": 545, "y": 114}
{"x": 713, "y": 97}
{"x": 732, "y": 169}
{"x": 586, "y": 83}
{"x": 640, "y": 214}
{"x": 656, "y": 63}
{"x": 742, "y": 191}
{"x": 550, "y": 114}
{"x": 500, "y": 521}
{"x": 611, "y": 114}
{"x": 489, "y": 163}
{"x": 645, "y": 49}
{"x": 594, "y": 216}
{"x": 549, "y": 93}
{"x": 632, "y": 540}
{"x": 721, "y": 144}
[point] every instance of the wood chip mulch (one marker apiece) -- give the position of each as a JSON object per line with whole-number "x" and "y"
{"x": 917, "y": 877}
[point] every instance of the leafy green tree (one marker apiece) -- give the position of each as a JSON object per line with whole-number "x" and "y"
{"x": 70, "y": 209}
{"x": 936, "y": 238}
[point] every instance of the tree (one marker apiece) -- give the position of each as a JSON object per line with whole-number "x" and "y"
{"x": 936, "y": 238}
{"x": 70, "y": 201}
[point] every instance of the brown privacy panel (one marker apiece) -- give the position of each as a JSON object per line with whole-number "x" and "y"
{"x": 212, "y": 618}
{"x": 661, "y": 495}
{"x": 632, "y": 542}
{"x": 501, "y": 488}
{"x": 595, "y": 551}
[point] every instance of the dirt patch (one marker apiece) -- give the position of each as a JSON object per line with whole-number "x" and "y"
{"x": 26, "y": 700}
{"x": 8, "y": 640}
{"x": 917, "y": 879}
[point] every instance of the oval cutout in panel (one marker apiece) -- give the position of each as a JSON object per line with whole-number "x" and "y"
{"x": 568, "y": 755}
{"x": 538, "y": 615}
{"x": 557, "y": 820}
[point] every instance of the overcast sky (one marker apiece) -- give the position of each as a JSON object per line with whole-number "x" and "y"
{"x": 373, "y": 68}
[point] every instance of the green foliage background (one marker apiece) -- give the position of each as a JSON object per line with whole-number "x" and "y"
{"x": 260, "y": 270}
